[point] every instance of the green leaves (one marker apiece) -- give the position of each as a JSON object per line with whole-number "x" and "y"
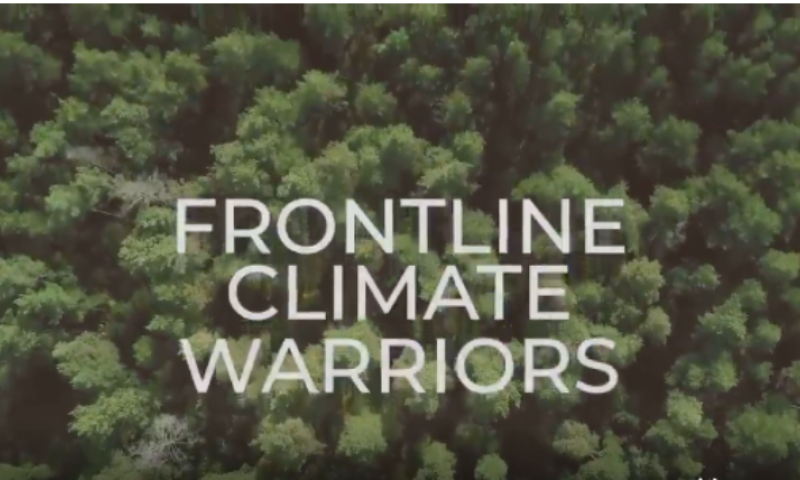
{"x": 374, "y": 104}
{"x": 253, "y": 60}
{"x": 114, "y": 415}
{"x": 437, "y": 462}
{"x": 25, "y": 472}
{"x": 764, "y": 433}
{"x": 575, "y": 440}
{"x": 91, "y": 363}
{"x": 112, "y": 112}
{"x": 491, "y": 467}
{"x": 288, "y": 444}
{"x": 362, "y": 439}
{"x": 25, "y": 64}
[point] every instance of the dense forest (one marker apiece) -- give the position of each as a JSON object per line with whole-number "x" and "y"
{"x": 108, "y": 114}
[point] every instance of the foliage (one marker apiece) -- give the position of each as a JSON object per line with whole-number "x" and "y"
{"x": 111, "y": 112}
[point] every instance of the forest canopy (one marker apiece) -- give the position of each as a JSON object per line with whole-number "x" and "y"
{"x": 687, "y": 113}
